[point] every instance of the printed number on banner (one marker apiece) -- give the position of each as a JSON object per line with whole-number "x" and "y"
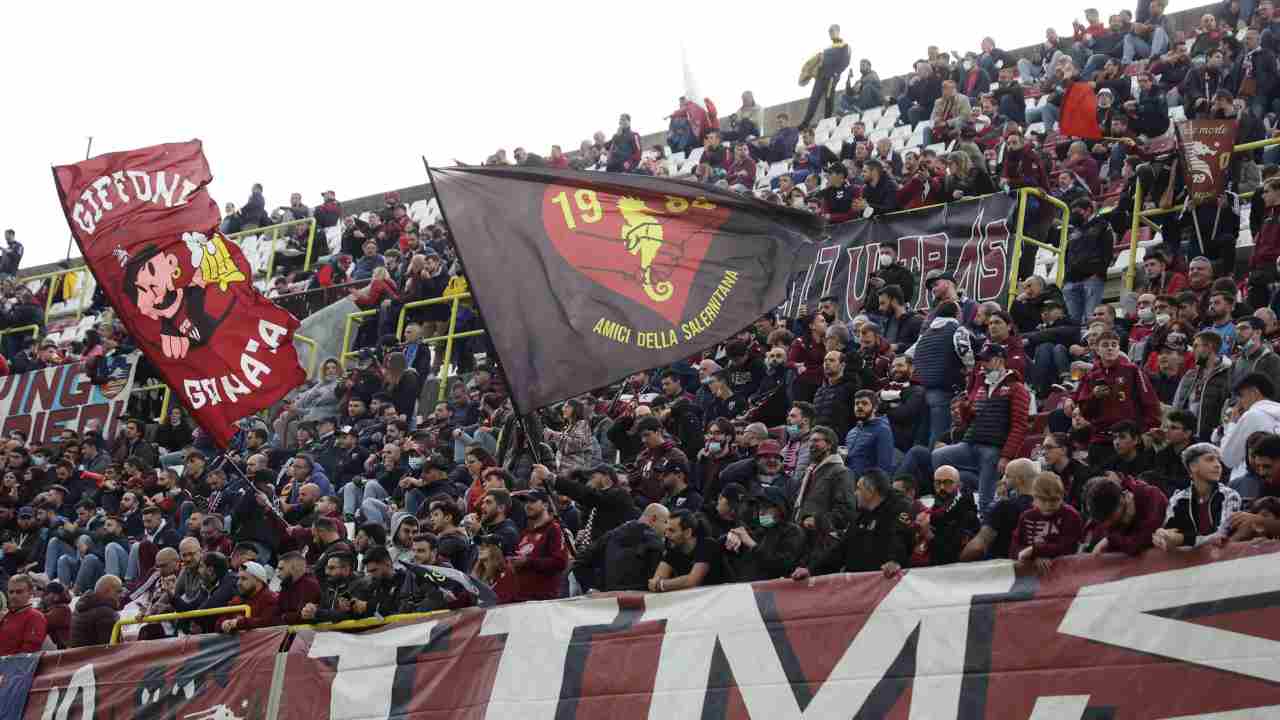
{"x": 588, "y": 204}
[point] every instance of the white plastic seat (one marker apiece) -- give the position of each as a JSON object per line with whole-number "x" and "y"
{"x": 878, "y": 133}
{"x": 848, "y": 120}
{"x": 1035, "y": 127}
{"x": 901, "y": 131}
{"x": 937, "y": 147}
{"x": 891, "y": 111}
{"x": 872, "y": 115}
{"x": 827, "y": 124}
{"x": 835, "y": 145}
{"x": 695, "y": 155}
{"x": 779, "y": 168}
{"x": 677, "y": 157}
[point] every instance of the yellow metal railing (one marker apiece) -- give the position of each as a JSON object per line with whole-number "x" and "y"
{"x": 1019, "y": 237}
{"x": 33, "y": 329}
{"x": 370, "y": 622}
{"x": 164, "y": 404}
{"x": 275, "y": 239}
{"x": 315, "y": 352}
{"x": 450, "y": 335}
{"x": 172, "y": 617}
{"x": 1141, "y": 216}
{"x": 56, "y": 278}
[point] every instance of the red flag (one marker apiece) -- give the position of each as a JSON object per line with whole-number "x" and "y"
{"x": 1079, "y": 117}
{"x": 148, "y": 231}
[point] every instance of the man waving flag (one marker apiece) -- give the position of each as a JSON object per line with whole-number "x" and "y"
{"x": 584, "y": 278}
{"x": 148, "y": 231}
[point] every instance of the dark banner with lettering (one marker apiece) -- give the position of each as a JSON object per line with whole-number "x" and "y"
{"x": 584, "y": 278}
{"x": 971, "y": 239}
{"x": 42, "y": 403}
{"x": 148, "y": 231}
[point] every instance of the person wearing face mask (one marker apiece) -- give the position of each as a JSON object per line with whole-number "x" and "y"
{"x": 714, "y": 459}
{"x": 1090, "y": 250}
{"x": 890, "y": 272}
{"x": 795, "y": 451}
{"x": 768, "y": 546}
{"x": 1253, "y": 354}
{"x": 1145, "y": 325}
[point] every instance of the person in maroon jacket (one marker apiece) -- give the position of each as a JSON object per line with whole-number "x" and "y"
{"x": 805, "y": 357}
{"x": 1050, "y": 529}
{"x": 298, "y": 587}
{"x": 23, "y": 627}
{"x": 1113, "y": 391}
{"x": 1124, "y": 514}
{"x": 263, "y": 604}
{"x": 1267, "y": 247}
{"x": 541, "y": 556}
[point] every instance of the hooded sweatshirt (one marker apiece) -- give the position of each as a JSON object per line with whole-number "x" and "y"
{"x": 399, "y": 555}
{"x": 1263, "y": 416}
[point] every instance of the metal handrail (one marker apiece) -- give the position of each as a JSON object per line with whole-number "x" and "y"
{"x": 33, "y": 329}
{"x": 1140, "y": 216}
{"x": 164, "y": 404}
{"x": 315, "y": 351}
{"x": 365, "y": 623}
{"x": 1020, "y": 237}
{"x": 275, "y": 237}
{"x": 171, "y": 617}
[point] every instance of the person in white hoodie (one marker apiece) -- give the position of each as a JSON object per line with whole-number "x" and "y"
{"x": 1255, "y": 411}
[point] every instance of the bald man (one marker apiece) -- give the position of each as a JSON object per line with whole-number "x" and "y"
{"x": 627, "y": 556}
{"x": 952, "y": 521}
{"x": 96, "y": 613}
{"x": 1013, "y": 497}
{"x": 303, "y": 512}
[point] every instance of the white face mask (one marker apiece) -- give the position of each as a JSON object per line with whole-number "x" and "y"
{"x": 993, "y": 376}
{"x": 1163, "y": 319}
{"x": 1146, "y": 314}
{"x": 886, "y": 260}
{"x": 798, "y": 203}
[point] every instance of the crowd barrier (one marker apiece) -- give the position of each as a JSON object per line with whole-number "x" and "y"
{"x": 117, "y": 629}
{"x": 275, "y": 230}
{"x": 1165, "y": 635}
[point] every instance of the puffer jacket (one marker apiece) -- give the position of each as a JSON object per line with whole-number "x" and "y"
{"x": 1090, "y": 249}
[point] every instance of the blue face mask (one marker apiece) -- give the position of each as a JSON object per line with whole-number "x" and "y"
{"x": 714, "y": 447}
{"x": 793, "y": 430}
{"x": 767, "y": 520}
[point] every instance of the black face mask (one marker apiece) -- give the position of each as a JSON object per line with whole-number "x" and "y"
{"x": 1077, "y": 218}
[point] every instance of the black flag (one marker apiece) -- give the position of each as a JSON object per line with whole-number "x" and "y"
{"x": 584, "y": 278}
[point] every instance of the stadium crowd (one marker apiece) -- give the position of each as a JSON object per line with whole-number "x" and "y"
{"x": 902, "y": 438}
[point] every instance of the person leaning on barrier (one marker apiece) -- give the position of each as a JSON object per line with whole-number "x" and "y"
{"x": 263, "y": 603}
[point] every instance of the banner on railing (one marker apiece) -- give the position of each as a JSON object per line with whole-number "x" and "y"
{"x": 1187, "y": 634}
{"x": 203, "y": 677}
{"x": 41, "y": 403}
{"x": 971, "y": 239}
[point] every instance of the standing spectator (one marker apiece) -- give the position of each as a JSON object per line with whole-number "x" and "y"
{"x": 942, "y": 358}
{"x": 540, "y": 555}
{"x": 869, "y": 443}
{"x": 1090, "y": 249}
{"x": 807, "y": 357}
{"x": 253, "y": 214}
{"x": 833, "y": 402}
{"x": 832, "y": 62}
{"x": 22, "y": 627}
{"x": 11, "y": 257}
{"x": 1115, "y": 390}
{"x": 824, "y": 498}
{"x": 624, "y": 148}
{"x": 1206, "y": 388}
{"x": 96, "y": 613}
{"x": 880, "y": 538}
{"x": 1253, "y": 354}
{"x": 55, "y": 604}
{"x": 1256, "y": 410}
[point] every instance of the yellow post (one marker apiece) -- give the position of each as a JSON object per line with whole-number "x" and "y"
{"x": 84, "y": 290}
{"x": 1130, "y": 275}
{"x": 1017, "y": 246}
{"x": 311, "y": 238}
{"x": 448, "y": 349}
{"x": 315, "y": 351}
{"x": 271, "y": 261}
{"x": 171, "y": 617}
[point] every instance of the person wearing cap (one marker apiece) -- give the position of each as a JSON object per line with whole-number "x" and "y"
{"x": 1202, "y": 512}
{"x": 262, "y": 601}
{"x": 1255, "y": 411}
{"x": 824, "y": 496}
{"x": 656, "y": 447}
{"x": 942, "y": 358}
{"x": 1205, "y": 388}
{"x": 541, "y": 554}
{"x": 869, "y": 443}
{"x": 891, "y": 272}
{"x": 1253, "y": 354}
{"x": 674, "y": 474}
{"x": 997, "y": 420}
{"x": 1113, "y": 391}
{"x": 1090, "y": 250}
{"x": 942, "y": 288}
{"x": 22, "y": 545}
{"x": 767, "y": 546}
{"x": 1048, "y": 344}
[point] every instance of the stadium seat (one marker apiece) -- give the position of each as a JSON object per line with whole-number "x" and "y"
{"x": 892, "y": 111}
{"x": 872, "y": 115}
{"x": 878, "y": 133}
{"x": 677, "y": 158}
{"x": 900, "y": 131}
{"x": 1035, "y": 127}
{"x": 827, "y": 125}
{"x": 695, "y": 155}
{"x": 938, "y": 147}
{"x": 835, "y": 145}
{"x": 779, "y": 168}
{"x": 848, "y": 120}
{"x": 842, "y": 133}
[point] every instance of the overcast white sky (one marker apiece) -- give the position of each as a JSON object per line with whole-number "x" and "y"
{"x": 310, "y": 96}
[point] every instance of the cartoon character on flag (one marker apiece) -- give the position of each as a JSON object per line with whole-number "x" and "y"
{"x": 180, "y": 295}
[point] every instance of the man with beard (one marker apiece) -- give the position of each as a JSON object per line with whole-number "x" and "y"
{"x": 627, "y": 556}
{"x": 774, "y": 377}
{"x": 795, "y": 451}
{"x": 1253, "y": 354}
{"x": 942, "y": 358}
{"x": 824, "y": 498}
{"x": 657, "y": 447}
{"x": 1206, "y": 388}
{"x": 1113, "y": 391}
{"x": 452, "y": 542}
{"x": 833, "y": 401}
{"x": 901, "y": 326}
{"x": 902, "y": 403}
{"x": 379, "y": 591}
{"x": 263, "y": 603}
{"x": 945, "y": 529}
{"x": 494, "y": 521}
{"x": 1221, "y": 319}
{"x": 675, "y": 485}
{"x": 880, "y": 538}
{"x": 597, "y": 492}
{"x": 692, "y": 559}
{"x": 540, "y": 556}
{"x": 335, "y": 603}
{"x": 298, "y": 587}
{"x": 869, "y": 444}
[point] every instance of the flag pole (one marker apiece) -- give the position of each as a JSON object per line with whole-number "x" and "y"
{"x": 71, "y": 239}
{"x": 520, "y": 414}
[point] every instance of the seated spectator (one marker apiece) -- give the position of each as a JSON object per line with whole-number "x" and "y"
{"x": 55, "y": 603}
{"x": 945, "y": 529}
{"x": 1131, "y": 456}
{"x": 262, "y": 601}
{"x": 23, "y": 628}
{"x": 1124, "y": 514}
{"x": 1201, "y": 513}
{"x": 768, "y": 546}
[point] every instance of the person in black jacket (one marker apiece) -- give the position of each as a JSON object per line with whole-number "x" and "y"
{"x": 901, "y": 326}
{"x": 835, "y": 60}
{"x": 1090, "y": 248}
{"x": 403, "y": 383}
{"x": 879, "y": 191}
{"x": 452, "y": 542}
{"x": 1048, "y": 345}
{"x": 880, "y": 538}
{"x": 597, "y": 492}
{"x": 253, "y": 214}
{"x": 1201, "y": 83}
{"x": 833, "y": 402}
{"x": 767, "y": 546}
{"x": 627, "y": 556}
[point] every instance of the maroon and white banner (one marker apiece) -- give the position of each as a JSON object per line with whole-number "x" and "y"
{"x": 1205, "y": 147}
{"x": 204, "y": 677}
{"x": 42, "y": 403}
{"x": 1177, "y": 636}
{"x": 148, "y": 231}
